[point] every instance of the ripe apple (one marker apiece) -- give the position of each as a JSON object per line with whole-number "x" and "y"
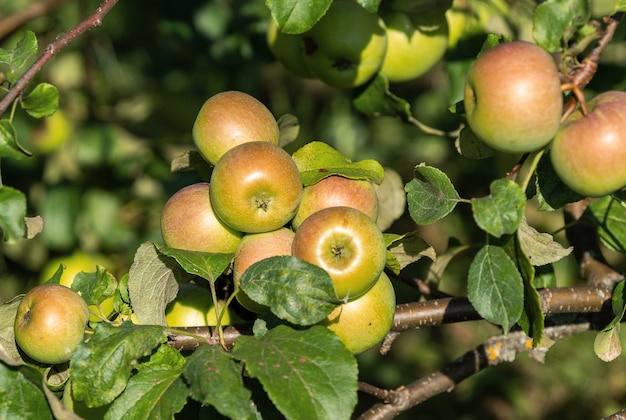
{"x": 230, "y": 118}
{"x": 365, "y": 321}
{"x": 289, "y": 50}
{"x": 255, "y": 247}
{"x": 256, "y": 187}
{"x": 513, "y": 98}
{"x": 589, "y": 151}
{"x": 415, "y": 43}
{"x": 346, "y": 47}
{"x": 347, "y": 244}
{"x": 193, "y": 307}
{"x": 335, "y": 191}
{"x": 188, "y": 222}
{"x": 50, "y": 322}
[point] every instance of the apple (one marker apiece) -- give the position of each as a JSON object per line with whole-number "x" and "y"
{"x": 50, "y": 323}
{"x": 513, "y": 98}
{"x": 256, "y": 187}
{"x": 415, "y": 43}
{"x": 365, "y": 321}
{"x": 193, "y": 307}
{"x": 253, "y": 248}
{"x": 346, "y": 47}
{"x": 188, "y": 222}
{"x": 335, "y": 191}
{"x": 589, "y": 151}
{"x": 230, "y": 118}
{"x": 347, "y": 244}
{"x": 289, "y": 50}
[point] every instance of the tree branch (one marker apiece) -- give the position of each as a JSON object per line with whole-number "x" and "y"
{"x": 10, "y": 23}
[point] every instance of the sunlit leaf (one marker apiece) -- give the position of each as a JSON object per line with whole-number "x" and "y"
{"x": 541, "y": 248}
{"x": 406, "y": 249}
{"x": 430, "y": 195}
{"x": 556, "y": 21}
{"x": 502, "y": 211}
{"x": 294, "y": 16}
{"x": 206, "y": 265}
{"x": 607, "y": 344}
{"x": 42, "y": 101}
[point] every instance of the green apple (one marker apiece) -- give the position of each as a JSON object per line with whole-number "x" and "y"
{"x": 589, "y": 151}
{"x": 347, "y": 244}
{"x": 193, "y": 307}
{"x": 256, "y": 187}
{"x": 189, "y": 222}
{"x": 289, "y": 50}
{"x": 335, "y": 191}
{"x": 253, "y": 248}
{"x": 50, "y": 323}
{"x": 513, "y": 98}
{"x": 365, "y": 321}
{"x": 346, "y": 47}
{"x": 230, "y": 118}
{"x": 416, "y": 42}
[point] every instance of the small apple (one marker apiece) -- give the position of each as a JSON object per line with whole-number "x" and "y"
{"x": 589, "y": 151}
{"x": 416, "y": 42}
{"x": 188, "y": 222}
{"x": 365, "y": 321}
{"x": 193, "y": 307}
{"x": 335, "y": 191}
{"x": 230, "y": 118}
{"x": 513, "y": 98}
{"x": 256, "y": 187}
{"x": 347, "y": 244}
{"x": 50, "y": 322}
{"x": 255, "y": 247}
{"x": 346, "y": 47}
{"x": 289, "y": 50}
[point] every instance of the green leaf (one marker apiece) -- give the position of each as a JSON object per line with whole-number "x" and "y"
{"x": 24, "y": 49}
{"x": 293, "y": 289}
{"x": 9, "y": 353}
{"x": 153, "y": 282}
{"x": 620, "y": 6}
{"x": 495, "y": 287}
{"x": 502, "y": 211}
{"x": 306, "y": 373}
{"x": 12, "y": 213}
{"x": 609, "y": 215}
{"x": 391, "y": 199}
{"x": 607, "y": 344}
{"x": 101, "y": 367}
{"x": 369, "y": 5}
{"x": 541, "y": 248}
{"x": 430, "y": 195}
{"x": 96, "y": 286}
{"x": 203, "y": 264}
{"x": 215, "y": 379}
{"x": 556, "y": 21}
{"x": 21, "y": 394}
{"x": 9, "y": 147}
{"x": 317, "y": 160}
{"x": 42, "y": 101}
{"x": 406, "y": 249}
{"x": 60, "y": 210}
{"x": 376, "y": 100}
{"x": 552, "y": 194}
{"x": 470, "y": 146}
{"x": 295, "y": 16}
{"x": 618, "y": 304}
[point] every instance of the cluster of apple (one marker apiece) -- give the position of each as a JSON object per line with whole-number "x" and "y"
{"x": 256, "y": 206}
{"x": 402, "y": 41}
{"x": 514, "y": 103}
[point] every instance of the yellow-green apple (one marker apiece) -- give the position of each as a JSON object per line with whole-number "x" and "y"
{"x": 193, "y": 307}
{"x": 365, "y": 321}
{"x": 347, "y": 244}
{"x": 288, "y": 49}
{"x": 589, "y": 151}
{"x": 346, "y": 47}
{"x": 50, "y": 323}
{"x": 230, "y": 118}
{"x": 255, "y": 187}
{"x": 189, "y": 222}
{"x": 513, "y": 98}
{"x": 253, "y": 248}
{"x": 415, "y": 43}
{"x": 335, "y": 191}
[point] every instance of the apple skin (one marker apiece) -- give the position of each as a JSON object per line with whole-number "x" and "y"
{"x": 230, "y": 118}
{"x": 336, "y": 191}
{"x": 513, "y": 98}
{"x": 347, "y": 244}
{"x": 189, "y": 222}
{"x": 50, "y": 323}
{"x": 256, "y": 187}
{"x": 193, "y": 307}
{"x": 364, "y": 322}
{"x": 589, "y": 152}
{"x": 415, "y": 43}
{"x": 289, "y": 50}
{"x": 346, "y": 47}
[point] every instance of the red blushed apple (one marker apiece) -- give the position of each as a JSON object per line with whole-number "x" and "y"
{"x": 50, "y": 323}
{"x": 589, "y": 151}
{"x": 336, "y": 191}
{"x": 188, "y": 222}
{"x": 347, "y": 244}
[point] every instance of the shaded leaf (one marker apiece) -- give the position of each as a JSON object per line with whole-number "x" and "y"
{"x": 609, "y": 215}
{"x": 12, "y": 213}
{"x": 288, "y": 128}
{"x": 294, "y": 16}
{"x": 406, "y": 249}
{"x": 376, "y": 100}
{"x": 502, "y": 211}
{"x": 21, "y": 394}
{"x": 9, "y": 146}
{"x": 391, "y": 199}
{"x": 9, "y": 354}
{"x": 15, "y": 58}
{"x": 552, "y": 193}
{"x": 430, "y": 195}
{"x": 470, "y": 146}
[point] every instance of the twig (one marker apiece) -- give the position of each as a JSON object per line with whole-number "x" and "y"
{"x": 10, "y": 23}
{"x": 93, "y": 21}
